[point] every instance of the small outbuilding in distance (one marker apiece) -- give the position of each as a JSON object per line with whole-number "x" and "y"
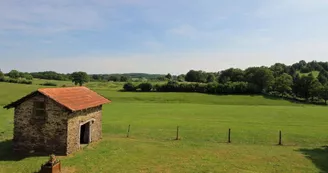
{"x": 57, "y": 120}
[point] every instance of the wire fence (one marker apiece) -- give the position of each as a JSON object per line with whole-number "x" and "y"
{"x": 229, "y": 135}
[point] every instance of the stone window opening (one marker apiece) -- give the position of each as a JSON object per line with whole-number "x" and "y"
{"x": 40, "y": 110}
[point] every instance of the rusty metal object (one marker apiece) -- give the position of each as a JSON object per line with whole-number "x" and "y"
{"x": 52, "y": 166}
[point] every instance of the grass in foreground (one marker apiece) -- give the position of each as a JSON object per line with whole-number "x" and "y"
{"x": 203, "y": 120}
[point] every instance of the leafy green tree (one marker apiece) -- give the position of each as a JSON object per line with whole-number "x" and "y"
{"x": 14, "y": 74}
{"x": 210, "y": 78}
{"x": 315, "y": 89}
{"x": 145, "y": 87}
{"x": 305, "y": 69}
{"x": 278, "y": 69}
{"x": 324, "y": 93}
{"x": 196, "y": 76}
{"x": 323, "y": 77}
{"x": 283, "y": 83}
{"x": 232, "y": 75}
{"x": 168, "y": 76}
{"x": 80, "y": 78}
{"x": 304, "y": 85}
{"x": 124, "y": 78}
{"x": 292, "y": 71}
{"x": 50, "y": 75}
{"x": 129, "y": 87}
{"x": 2, "y": 76}
{"x": 27, "y": 76}
{"x": 260, "y": 76}
{"x": 96, "y": 77}
{"x": 161, "y": 78}
{"x": 114, "y": 78}
{"x": 181, "y": 77}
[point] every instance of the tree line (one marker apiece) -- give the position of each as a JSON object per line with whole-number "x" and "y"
{"x": 301, "y": 81}
{"x": 51, "y": 75}
{"x": 15, "y": 76}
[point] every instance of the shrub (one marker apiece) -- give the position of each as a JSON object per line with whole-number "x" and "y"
{"x": 158, "y": 87}
{"x": 212, "y": 88}
{"x": 24, "y": 81}
{"x": 49, "y": 84}
{"x": 129, "y": 87}
{"x": 145, "y": 87}
{"x": 11, "y": 80}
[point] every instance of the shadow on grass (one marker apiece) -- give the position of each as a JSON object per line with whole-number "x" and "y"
{"x": 7, "y": 153}
{"x": 318, "y": 156}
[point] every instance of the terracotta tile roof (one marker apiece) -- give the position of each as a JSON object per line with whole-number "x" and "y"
{"x": 75, "y": 98}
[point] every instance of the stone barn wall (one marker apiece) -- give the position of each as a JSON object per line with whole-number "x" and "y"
{"x": 82, "y": 117}
{"x": 47, "y": 136}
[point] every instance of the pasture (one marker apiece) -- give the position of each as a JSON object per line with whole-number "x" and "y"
{"x": 204, "y": 121}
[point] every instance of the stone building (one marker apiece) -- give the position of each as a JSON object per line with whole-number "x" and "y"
{"x": 57, "y": 120}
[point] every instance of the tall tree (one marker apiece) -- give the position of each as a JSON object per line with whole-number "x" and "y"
{"x": 14, "y": 74}
{"x": 96, "y": 77}
{"x": 210, "y": 78}
{"x": 283, "y": 83}
{"x": 124, "y": 78}
{"x": 27, "y": 76}
{"x": 303, "y": 85}
{"x": 114, "y": 78}
{"x": 260, "y": 76}
{"x": 315, "y": 89}
{"x": 2, "y": 76}
{"x": 196, "y": 76}
{"x": 278, "y": 69}
{"x": 324, "y": 93}
{"x": 231, "y": 75}
{"x": 323, "y": 77}
{"x": 168, "y": 76}
{"x": 161, "y": 78}
{"x": 181, "y": 77}
{"x": 79, "y": 78}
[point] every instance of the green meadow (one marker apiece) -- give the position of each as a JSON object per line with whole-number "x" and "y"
{"x": 203, "y": 120}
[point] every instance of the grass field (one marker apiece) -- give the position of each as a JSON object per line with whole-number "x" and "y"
{"x": 204, "y": 121}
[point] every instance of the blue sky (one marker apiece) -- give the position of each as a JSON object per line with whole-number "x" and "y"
{"x": 152, "y": 36}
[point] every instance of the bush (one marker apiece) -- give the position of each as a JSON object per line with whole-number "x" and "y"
{"x": 24, "y": 81}
{"x": 11, "y": 80}
{"x": 211, "y": 88}
{"x": 129, "y": 87}
{"x": 145, "y": 87}
{"x": 49, "y": 84}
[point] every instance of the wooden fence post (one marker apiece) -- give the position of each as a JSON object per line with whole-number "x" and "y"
{"x": 128, "y": 131}
{"x": 177, "y": 138}
{"x": 280, "y": 143}
{"x": 229, "y": 136}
